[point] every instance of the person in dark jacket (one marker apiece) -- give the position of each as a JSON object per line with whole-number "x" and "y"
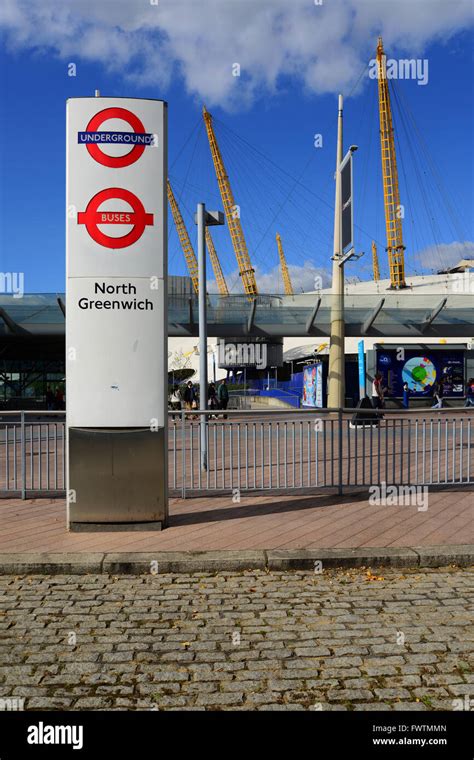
{"x": 223, "y": 396}
{"x": 49, "y": 399}
{"x": 406, "y": 395}
{"x": 189, "y": 396}
{"x": 59, "y": 398}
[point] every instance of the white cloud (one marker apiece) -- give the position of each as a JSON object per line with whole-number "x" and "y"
{"x": 308, "y": 277}
{"x": 324, "y": 46}
{"x": 445, "y": 255}
{"x": 303, "y": 278}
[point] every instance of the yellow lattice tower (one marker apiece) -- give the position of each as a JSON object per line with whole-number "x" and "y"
{"x": 391, "y": 194}
{"x": 284, "y": 267}
{"x": 246, "y": 270}
{"x": 186, "y": 245}
{"x": 375, "y": 262}
{"x": 216, "y": 265}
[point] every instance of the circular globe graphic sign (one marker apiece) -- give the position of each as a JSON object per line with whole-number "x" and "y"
{"x": 419, "y": 373}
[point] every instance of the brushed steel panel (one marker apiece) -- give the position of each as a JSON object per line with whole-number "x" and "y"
{"x": 118, "y": 475}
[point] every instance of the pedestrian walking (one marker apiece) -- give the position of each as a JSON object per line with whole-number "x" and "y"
{"x": 438, "y": 395}
{"x": 175, "y": 399}
{"x": 213, "y": 403}
{"x": 175, "y": 402}
{"x": 59, "y": 398}
{"x": 49, "y": 399}
{"x": 190, "y": 396}
{"x": 223, "y": 396}
{"x": 377, "y": 391}
{"x": 470, "y": 392}
{"x": 406, "y": 395}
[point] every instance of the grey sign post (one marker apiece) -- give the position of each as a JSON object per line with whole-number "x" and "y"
{"x": 347, "y": 215}
{"x": 116, "y": 321}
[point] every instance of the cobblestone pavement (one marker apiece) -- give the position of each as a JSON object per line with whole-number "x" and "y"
{"x": 233, "y": 641}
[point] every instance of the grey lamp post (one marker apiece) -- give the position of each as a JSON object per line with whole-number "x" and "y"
{"x": 343, "y": 238}
{"x": 203, "y": 219}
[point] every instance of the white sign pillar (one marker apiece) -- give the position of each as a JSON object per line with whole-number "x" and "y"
{"x": 116, "y": 313}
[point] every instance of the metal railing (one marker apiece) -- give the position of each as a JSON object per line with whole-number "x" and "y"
{"x": 275, "y": 450}
{"x": 264, "y": 451}
{"x": 32, "y": 454}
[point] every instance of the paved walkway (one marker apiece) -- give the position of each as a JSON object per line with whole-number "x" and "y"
{"x": 263, "y": 522}
{"x": 248, "y": 641}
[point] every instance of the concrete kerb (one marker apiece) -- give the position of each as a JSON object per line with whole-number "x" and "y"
{"x": 305, "y": 559}
{"x": 156, "y": 563}
{"x": 431, "y": 556}
{"x": 46, "y": 563}
{"x": 183, "y": 562}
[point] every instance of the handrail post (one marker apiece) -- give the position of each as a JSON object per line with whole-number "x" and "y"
{"x": 23, "y": 456}
{"x": 339, "y": 414}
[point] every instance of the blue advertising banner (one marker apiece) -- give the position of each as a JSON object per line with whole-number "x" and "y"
{"x": 319, "y": 385}
{"x": 361, "y": 363}
{"x": 421, "y": 371}
{"x": 313, "y": 385}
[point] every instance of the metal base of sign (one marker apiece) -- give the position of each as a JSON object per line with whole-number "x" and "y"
{"x": 117, "y": 478}
{"x": 88, "y": 527}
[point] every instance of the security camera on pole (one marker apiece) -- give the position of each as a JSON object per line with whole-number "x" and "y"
{"x": 343, "y": 251}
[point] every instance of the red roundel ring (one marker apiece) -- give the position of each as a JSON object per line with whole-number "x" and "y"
{"x": 91, "y": 217}
{"x": 115, "y": 162}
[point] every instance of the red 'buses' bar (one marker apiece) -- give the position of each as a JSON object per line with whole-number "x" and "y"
{"x": 113, "y": 217}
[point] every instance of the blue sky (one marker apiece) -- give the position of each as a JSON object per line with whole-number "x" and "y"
{"x": 265, "y": 122}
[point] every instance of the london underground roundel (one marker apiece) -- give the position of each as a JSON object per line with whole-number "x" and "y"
{"x": 93, "y": 216}
{"x": 138, "y": 139}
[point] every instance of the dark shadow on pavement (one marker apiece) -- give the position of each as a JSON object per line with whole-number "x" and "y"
{"x": 242, "y": 510}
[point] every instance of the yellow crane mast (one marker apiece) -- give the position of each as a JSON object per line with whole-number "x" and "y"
{"x": 216, "y": 265}
{"x": 391, "y": 193}
{"x": 183, "y": 236}
{"x": 246, "y": 270}
{"x": 375, "y": 262}
{"x": 188, "y": 249}
{"x": 284, "y": 267}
